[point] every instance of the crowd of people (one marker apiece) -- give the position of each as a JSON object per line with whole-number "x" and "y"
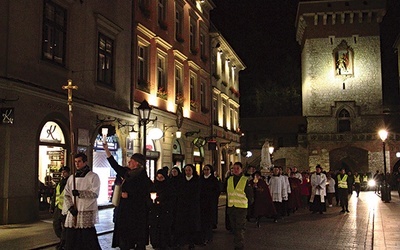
{"x": 184, "y": 210}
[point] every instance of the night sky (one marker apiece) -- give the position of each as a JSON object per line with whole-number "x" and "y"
{"x": 263, "y": 34}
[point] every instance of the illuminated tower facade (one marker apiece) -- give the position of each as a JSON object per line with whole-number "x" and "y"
{"x": 342, "y": 83}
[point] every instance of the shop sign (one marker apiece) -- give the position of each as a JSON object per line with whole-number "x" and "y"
{"x": 152, "y": 154}
{"x": 52, "y": 133}
{"x": 178, "y": 157}
{"x": 7, "y": 115}
{"x": 198, "y": 159}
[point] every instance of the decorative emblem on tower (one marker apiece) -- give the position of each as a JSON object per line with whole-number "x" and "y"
{"x": 343, "y": 59}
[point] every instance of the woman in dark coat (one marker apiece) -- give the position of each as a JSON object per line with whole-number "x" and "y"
{"x": 263, "y": 205}
{"x": 209, "y": 194}
{"x": 131, "y": 225}
{"x": 161, "y": 213}
{"x": 187, "y": 219}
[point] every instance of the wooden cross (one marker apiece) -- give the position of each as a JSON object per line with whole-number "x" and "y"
{"x": 70, "y": 87}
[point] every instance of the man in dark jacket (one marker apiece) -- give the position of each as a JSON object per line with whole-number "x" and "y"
{"x": 131, "y": 225}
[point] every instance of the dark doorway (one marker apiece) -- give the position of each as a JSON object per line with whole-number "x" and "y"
{"x": 351, "y": 158}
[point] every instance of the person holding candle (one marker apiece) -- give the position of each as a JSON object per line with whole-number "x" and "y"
{"x": 263, "y": 205}
{"x": 161, "y": 212}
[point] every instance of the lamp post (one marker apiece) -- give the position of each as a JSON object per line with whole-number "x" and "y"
{"x": 271, "y": 151}
{"x": 385, "y": 193}
{"x": 144, "y": 116}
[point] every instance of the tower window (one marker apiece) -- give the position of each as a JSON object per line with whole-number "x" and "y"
{"x": 344, "y": 124}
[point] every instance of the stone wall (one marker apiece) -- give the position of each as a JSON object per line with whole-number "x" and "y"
{"x": 322, "y": 87}
{"x": 294, "y": 156}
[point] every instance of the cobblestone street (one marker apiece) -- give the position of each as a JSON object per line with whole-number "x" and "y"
{"x": 371, "y": 224}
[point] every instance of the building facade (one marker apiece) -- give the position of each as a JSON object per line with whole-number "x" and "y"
{"x": 225, "y": 136}
{"x": 118, "y": 54}
{"x": 172, "y": 72}
{"x": 45, "y": 43}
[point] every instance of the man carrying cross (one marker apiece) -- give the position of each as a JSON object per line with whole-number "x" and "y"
{"x": 82, "y": 215}
{"x": 80, "y": 198}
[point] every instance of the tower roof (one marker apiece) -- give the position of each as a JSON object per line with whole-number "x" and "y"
{"x": 331, "y": 13}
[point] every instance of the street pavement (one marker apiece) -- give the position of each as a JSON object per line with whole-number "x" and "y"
{"x": 371, "y": 224}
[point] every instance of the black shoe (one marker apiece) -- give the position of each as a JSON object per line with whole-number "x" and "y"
{"x": 275, "y": 221}
{"x": 347, "y": 211}
{"x": 342, "y": 211}
{"x": 321, "y": 212}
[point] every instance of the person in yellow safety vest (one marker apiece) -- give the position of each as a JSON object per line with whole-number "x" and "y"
{"x": 343, "y": 190}
{"x": 364, "y": 181}
{"x": 239, "y": 196}
{"x": 357, "y": 183}
{"x": 57, "y": 205}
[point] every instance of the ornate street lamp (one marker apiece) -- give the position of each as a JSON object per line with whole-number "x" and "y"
{"x": 144, "y": 116}
{"x": 383, "y": 134}
{"x": 271, "y": 151}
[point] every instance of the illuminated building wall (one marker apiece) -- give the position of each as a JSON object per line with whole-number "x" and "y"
{"x": 342, "y": 83}
{"x": 225, "y": 68}
{"x": 172, "y": 69}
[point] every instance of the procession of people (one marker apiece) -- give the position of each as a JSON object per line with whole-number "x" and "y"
{"x": 184, "y": 210}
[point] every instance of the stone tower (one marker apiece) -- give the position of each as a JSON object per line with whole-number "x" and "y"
{"x": 342, "y": 83}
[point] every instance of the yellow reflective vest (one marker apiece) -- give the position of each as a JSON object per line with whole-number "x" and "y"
{"x": 357, "y": 179}
{"x": 342, "y": 183}
{"x": 59, "y": 197}
{"x": 236, "y": 195}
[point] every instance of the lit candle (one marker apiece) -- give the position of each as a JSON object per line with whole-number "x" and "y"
{"x": 153, "y": 196}
{"x": 104, "y": 132}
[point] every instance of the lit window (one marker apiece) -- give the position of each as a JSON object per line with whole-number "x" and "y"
{"x": 142, "y": 66}
{"x": 178, "y": 85}
{"x": 54, "y": 32}
{"x": 105, "y": 60}
{"x": 161, "y": 78}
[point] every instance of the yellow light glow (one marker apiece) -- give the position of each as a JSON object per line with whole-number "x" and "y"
{"x": 271, "y": 149}
{"x": 383, "y": 134}
{"x": 186, "y": 112}
{"x": 171, "y": 106}
{"x": 152, "y": 99}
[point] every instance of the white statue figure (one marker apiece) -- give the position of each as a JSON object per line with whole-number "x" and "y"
{"x": 265, "y": 156}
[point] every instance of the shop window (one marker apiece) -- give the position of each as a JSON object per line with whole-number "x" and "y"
{"x": 52, "y": 156}
{"x": 103, "y": 169}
